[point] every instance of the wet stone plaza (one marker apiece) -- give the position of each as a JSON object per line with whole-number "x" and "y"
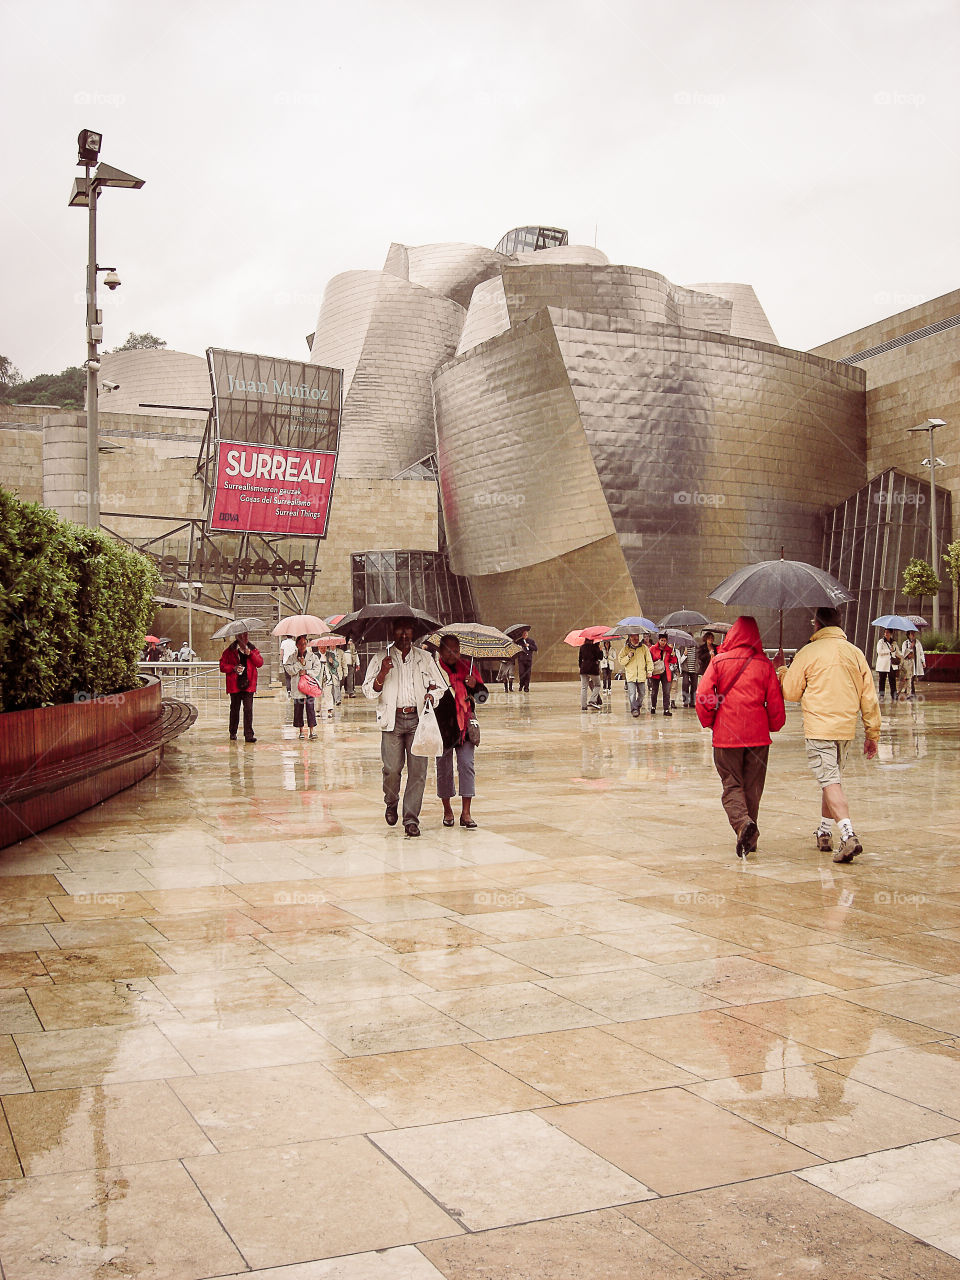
{"x": 247, "y": 1028}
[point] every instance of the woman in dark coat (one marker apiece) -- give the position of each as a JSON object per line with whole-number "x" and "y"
{"x": 739, "y": 698}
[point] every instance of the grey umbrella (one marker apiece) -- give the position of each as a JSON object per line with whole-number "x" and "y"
{"x": 781, "y": 584}
{"x": 238, "y": 628}
{"x": 684, "y": 618}
{"x": 516, "y": 627}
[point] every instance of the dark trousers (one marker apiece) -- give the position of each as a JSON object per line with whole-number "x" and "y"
{"x": 743, "y": 771}
{"x": 246, "y": 701}
{"x": 658, "y": 682}
{"x": 301, "y": 704}
{"x": 395, "y": 753}
{"x": 523, "y": 674}
{"x": 689, "y": 688}
{"x": 884, "y": 677}
{"x": 606, "y": 676}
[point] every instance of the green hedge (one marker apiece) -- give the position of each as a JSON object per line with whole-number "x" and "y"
{"x": 74, "y": 608}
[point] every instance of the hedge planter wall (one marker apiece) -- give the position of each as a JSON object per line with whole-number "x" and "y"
{"x": 74, "y": 608}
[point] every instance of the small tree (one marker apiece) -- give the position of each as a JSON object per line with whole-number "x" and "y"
{"x": 919, "y": 580}
{"x": 952, "y": 560}
{"x": 141, "y": 342}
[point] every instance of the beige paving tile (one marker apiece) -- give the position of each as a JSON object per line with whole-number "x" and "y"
{"x": 831, "y": 1115}
{"x": 216, "y": 992}
{"x": 783, "y": 1227}
{"x": 423, "y": 935}
{"x": 81, "y": 934}
{"x": 402, "y": 1263}
{"x": 602, "y": 1243}
{"x": 85, "y": 964}
{"x": 925, "y": 950}
{"x": 521, "y": 1007}
{"x": 386, "y": 1026}
{"x": 272, "y": 1039}
{"x": 740, "y": 980}
{"x": 244, "y": 952}
{"x": 385, "y": 909}
{"x": 98, "y": 1055}
{"x": 834, "y": 1025}
{"x": 13, "y": 1074}
{"x": 269, "y": 1200}
{"x": 669, "y": 944}
{"x": 617, "y": 917}
{"x": 61, "y": 1130}
{"x": 273, "y": 1106}
{"x": 426, "y": 1086}
{"x": 354, "y": 977}
{"x": 562, "y": 957}
{"x": 500, "y": 1170}
{"x": 571, "y": 1066}
{"x": 714, "y": 1044}
{"x": 478, "y": 901}
{"x": 928, "y": 1075}
{"x": 22, "y": 969}
{"x": 623, "y": 995}
{"x": 914, "y": 1189}
{"x": 76, "y": 1226}
{"x": 206, "y": 926}
{"x": 163, "y": 902}
{"x": 842, "y": 967}
{"x": 931, "y": 1003}
{"x": 27, "y": 886}
{"x": 707, "y": 1144}
{"x": 463, "y": 967}
{"x": 522, "y": 924}
{"x": 18, "y": 911}
{"x": 75, "y": 1005}
{"x": 25, "y": 937}
{"x": 100, "y": 906}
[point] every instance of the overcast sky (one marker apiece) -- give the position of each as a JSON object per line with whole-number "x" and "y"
{"x": 808, "y": 149}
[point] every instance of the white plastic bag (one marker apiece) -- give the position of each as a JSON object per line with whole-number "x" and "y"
{"x": 427, "y": 740}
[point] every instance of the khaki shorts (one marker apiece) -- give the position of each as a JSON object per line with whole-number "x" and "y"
{"x": 826, "y": 759}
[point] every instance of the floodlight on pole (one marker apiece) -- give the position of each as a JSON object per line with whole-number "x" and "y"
{"x": 932, "y": 462}
{"x": 85, "y": 193}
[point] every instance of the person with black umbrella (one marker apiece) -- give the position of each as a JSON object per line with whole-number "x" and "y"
{"x": 528, "y": 648}
{"x": 399, "y": 680}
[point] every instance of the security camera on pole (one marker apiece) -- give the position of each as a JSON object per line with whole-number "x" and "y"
{"x": 85, "y": 193}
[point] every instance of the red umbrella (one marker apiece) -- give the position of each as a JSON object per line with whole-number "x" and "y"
{"x": 151, "y": 640}
{"x": 327, "y": 642}
{"x": 576, "y": 638}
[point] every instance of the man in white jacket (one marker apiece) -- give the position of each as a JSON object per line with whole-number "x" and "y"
{"x": 399, "y": 679}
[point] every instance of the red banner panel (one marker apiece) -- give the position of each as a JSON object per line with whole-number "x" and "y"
{"x": 262, "y": 488}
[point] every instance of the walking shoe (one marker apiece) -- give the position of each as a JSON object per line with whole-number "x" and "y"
{"x": 668, "y": 713}
{"x": 848, "y": 849}
{"x": 747, "y": 838}
{"x": 411, "y": 828}
{"x": 390, "y": 815}
{"x": 824, "y": 841}
{"x": 653, "y": 711}
{"x": 313, "y": 736}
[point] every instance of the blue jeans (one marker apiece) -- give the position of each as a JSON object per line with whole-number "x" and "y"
{"x": 466, "y": 773}
{"x": 635, "y": 691}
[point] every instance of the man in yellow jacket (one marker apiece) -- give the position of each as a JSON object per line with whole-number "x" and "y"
{"x": 637, "y": 665}
{"x": 832, "y": 681}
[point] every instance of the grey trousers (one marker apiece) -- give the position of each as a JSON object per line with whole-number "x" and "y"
{"x": 466, "y": 774}
{"x": 635, "y": 691}
{"x": 395, "y": 752}
{"x": 589, "y": 690}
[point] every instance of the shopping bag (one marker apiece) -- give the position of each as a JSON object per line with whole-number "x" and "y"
{"x": 427, "y": 740}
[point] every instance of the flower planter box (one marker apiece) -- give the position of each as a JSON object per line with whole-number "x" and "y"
{"x": 57, "y": 761}
{"x": 943, "y": 668}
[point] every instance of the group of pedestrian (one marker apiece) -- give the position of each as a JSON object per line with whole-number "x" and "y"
{"x": 899, "y": 664}
{"x": 741, "y": 698}
{"x": 658, "y": 667}
{"x": 402, "y": 680}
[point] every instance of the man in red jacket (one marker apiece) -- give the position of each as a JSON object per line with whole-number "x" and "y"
{"x": 239, "y": 663}
{"x": 739, "y": 697}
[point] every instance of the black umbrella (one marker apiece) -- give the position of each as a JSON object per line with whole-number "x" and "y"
{"x": 684, "y": 618}
{"x": 516, "y": 627}
{"x": 376, "y": 621}
{"x": 239, "y": 627}
{"x": 781, "y": 584}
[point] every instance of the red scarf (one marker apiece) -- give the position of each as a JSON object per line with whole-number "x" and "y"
{"x": 458, "y": 683}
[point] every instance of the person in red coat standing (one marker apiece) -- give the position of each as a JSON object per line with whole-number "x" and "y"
{"x": 239, "y": 663}
{"x": 739, "y": 698}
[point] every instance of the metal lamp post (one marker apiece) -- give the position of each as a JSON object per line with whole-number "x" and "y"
{"x": 188, "y": 588}
{"x": 931, "y": 425}
{"x": 85, "y": 193}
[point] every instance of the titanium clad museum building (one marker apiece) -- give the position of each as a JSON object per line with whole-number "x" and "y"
{"x": 603, "y": 441}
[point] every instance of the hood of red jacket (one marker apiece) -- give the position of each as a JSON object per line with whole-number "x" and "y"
{"x": 744, "y": 634}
